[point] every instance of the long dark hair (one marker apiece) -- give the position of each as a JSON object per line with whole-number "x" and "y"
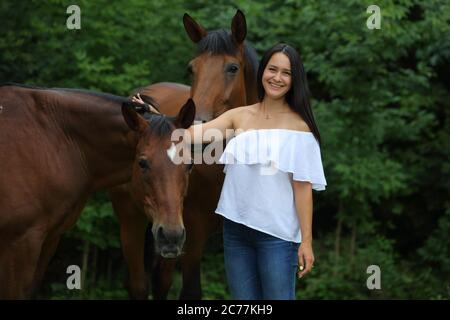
{"x": 298, "y": 95}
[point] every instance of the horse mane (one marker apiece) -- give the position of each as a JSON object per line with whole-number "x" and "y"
{"x": 13, "y": 84}
{"x": 159, "y": 124}
{"x": 220, "y": 42}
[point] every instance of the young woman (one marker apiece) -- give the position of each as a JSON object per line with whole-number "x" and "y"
{"x": 271, "y": 169}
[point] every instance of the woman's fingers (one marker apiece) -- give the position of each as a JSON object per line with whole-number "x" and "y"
{"x": 306, "y": 261}
{"x": 137, "y": 98}
{"x": 305, "y": 271}
{"x": 301, "y": 266}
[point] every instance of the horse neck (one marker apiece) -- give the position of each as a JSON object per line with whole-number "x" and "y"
{"x": 97, "y": 128}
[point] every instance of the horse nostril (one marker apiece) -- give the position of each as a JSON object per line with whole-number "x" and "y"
{"x": 160, "y": 234}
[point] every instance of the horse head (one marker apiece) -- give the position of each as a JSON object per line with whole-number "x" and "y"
{"x": 223, "y": 72}
{"x": 158, "y": 182}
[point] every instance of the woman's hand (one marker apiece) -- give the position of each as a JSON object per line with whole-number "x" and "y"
{"x": 305, "y": 259}
{"x": 137, "y": 98}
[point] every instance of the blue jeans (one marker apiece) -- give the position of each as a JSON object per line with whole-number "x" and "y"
{"x": 258, "y": 265}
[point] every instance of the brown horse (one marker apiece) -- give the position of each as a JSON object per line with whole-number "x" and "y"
{"x": 58, "y": 146}
{"x": 223, "y": 77}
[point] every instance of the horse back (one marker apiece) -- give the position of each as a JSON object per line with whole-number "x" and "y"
{"x": 36, "y": 171}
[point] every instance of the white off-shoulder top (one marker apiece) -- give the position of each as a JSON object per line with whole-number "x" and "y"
{"x": 260, "y": 166}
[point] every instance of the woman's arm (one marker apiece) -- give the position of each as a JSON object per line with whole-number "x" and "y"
{"x": 304, "y": 205}
{"x": 214, "y": 130}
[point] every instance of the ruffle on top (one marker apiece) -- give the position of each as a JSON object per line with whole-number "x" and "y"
{"x": 291, "y": 151}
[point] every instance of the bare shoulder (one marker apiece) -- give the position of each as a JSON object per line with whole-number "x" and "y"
{"x": 299, "y": 124}
{"x": 250, "y": 109}
{"x": 239, "y": 114}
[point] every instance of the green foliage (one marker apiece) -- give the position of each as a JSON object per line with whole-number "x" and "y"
{"x": 345, "y": 276}
{"x": 434, "y": 256}
{"x": 120, "y": 45}
{"x": 213, "y": 277}
{"x": 437, "y": 245}
{"x": 97, "y": 215}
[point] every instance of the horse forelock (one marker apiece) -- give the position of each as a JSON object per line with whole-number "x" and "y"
{"x": 217, "y": 42}
{"x": 159, "y": 124}
{"x": 221, "y": 42}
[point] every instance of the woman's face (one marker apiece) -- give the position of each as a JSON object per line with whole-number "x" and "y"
{"x": 276, "y": 78}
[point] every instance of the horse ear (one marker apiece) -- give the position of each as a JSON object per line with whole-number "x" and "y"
{"x": 195, "y": 31}
{"x": 186, "y": 115}
{"x": 134, "y": 121}
{"x": 239, "y": 27}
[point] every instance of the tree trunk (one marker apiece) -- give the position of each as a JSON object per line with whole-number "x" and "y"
{"x": 353, "y": 242}
{"x": 108, "y": 272}
{"x": 84, "y": 266}
{"x": 337, "y": 242}
{"x": 94, "y": 266}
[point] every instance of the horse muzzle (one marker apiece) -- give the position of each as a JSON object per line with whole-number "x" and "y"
{"x": 169, "y": 241}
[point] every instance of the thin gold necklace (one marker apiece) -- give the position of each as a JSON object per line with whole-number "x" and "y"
{"x": 267, "y": 117}
{"x": 264, "y": 109}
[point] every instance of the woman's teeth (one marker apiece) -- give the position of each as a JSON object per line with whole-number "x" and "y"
{"x": 275, "y": 85}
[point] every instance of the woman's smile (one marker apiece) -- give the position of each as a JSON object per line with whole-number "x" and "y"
{"x": 275, "y": 85}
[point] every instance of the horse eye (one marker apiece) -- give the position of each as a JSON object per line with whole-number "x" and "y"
{"x": 233, "y": 69}
{"x": 143, "y": 163}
